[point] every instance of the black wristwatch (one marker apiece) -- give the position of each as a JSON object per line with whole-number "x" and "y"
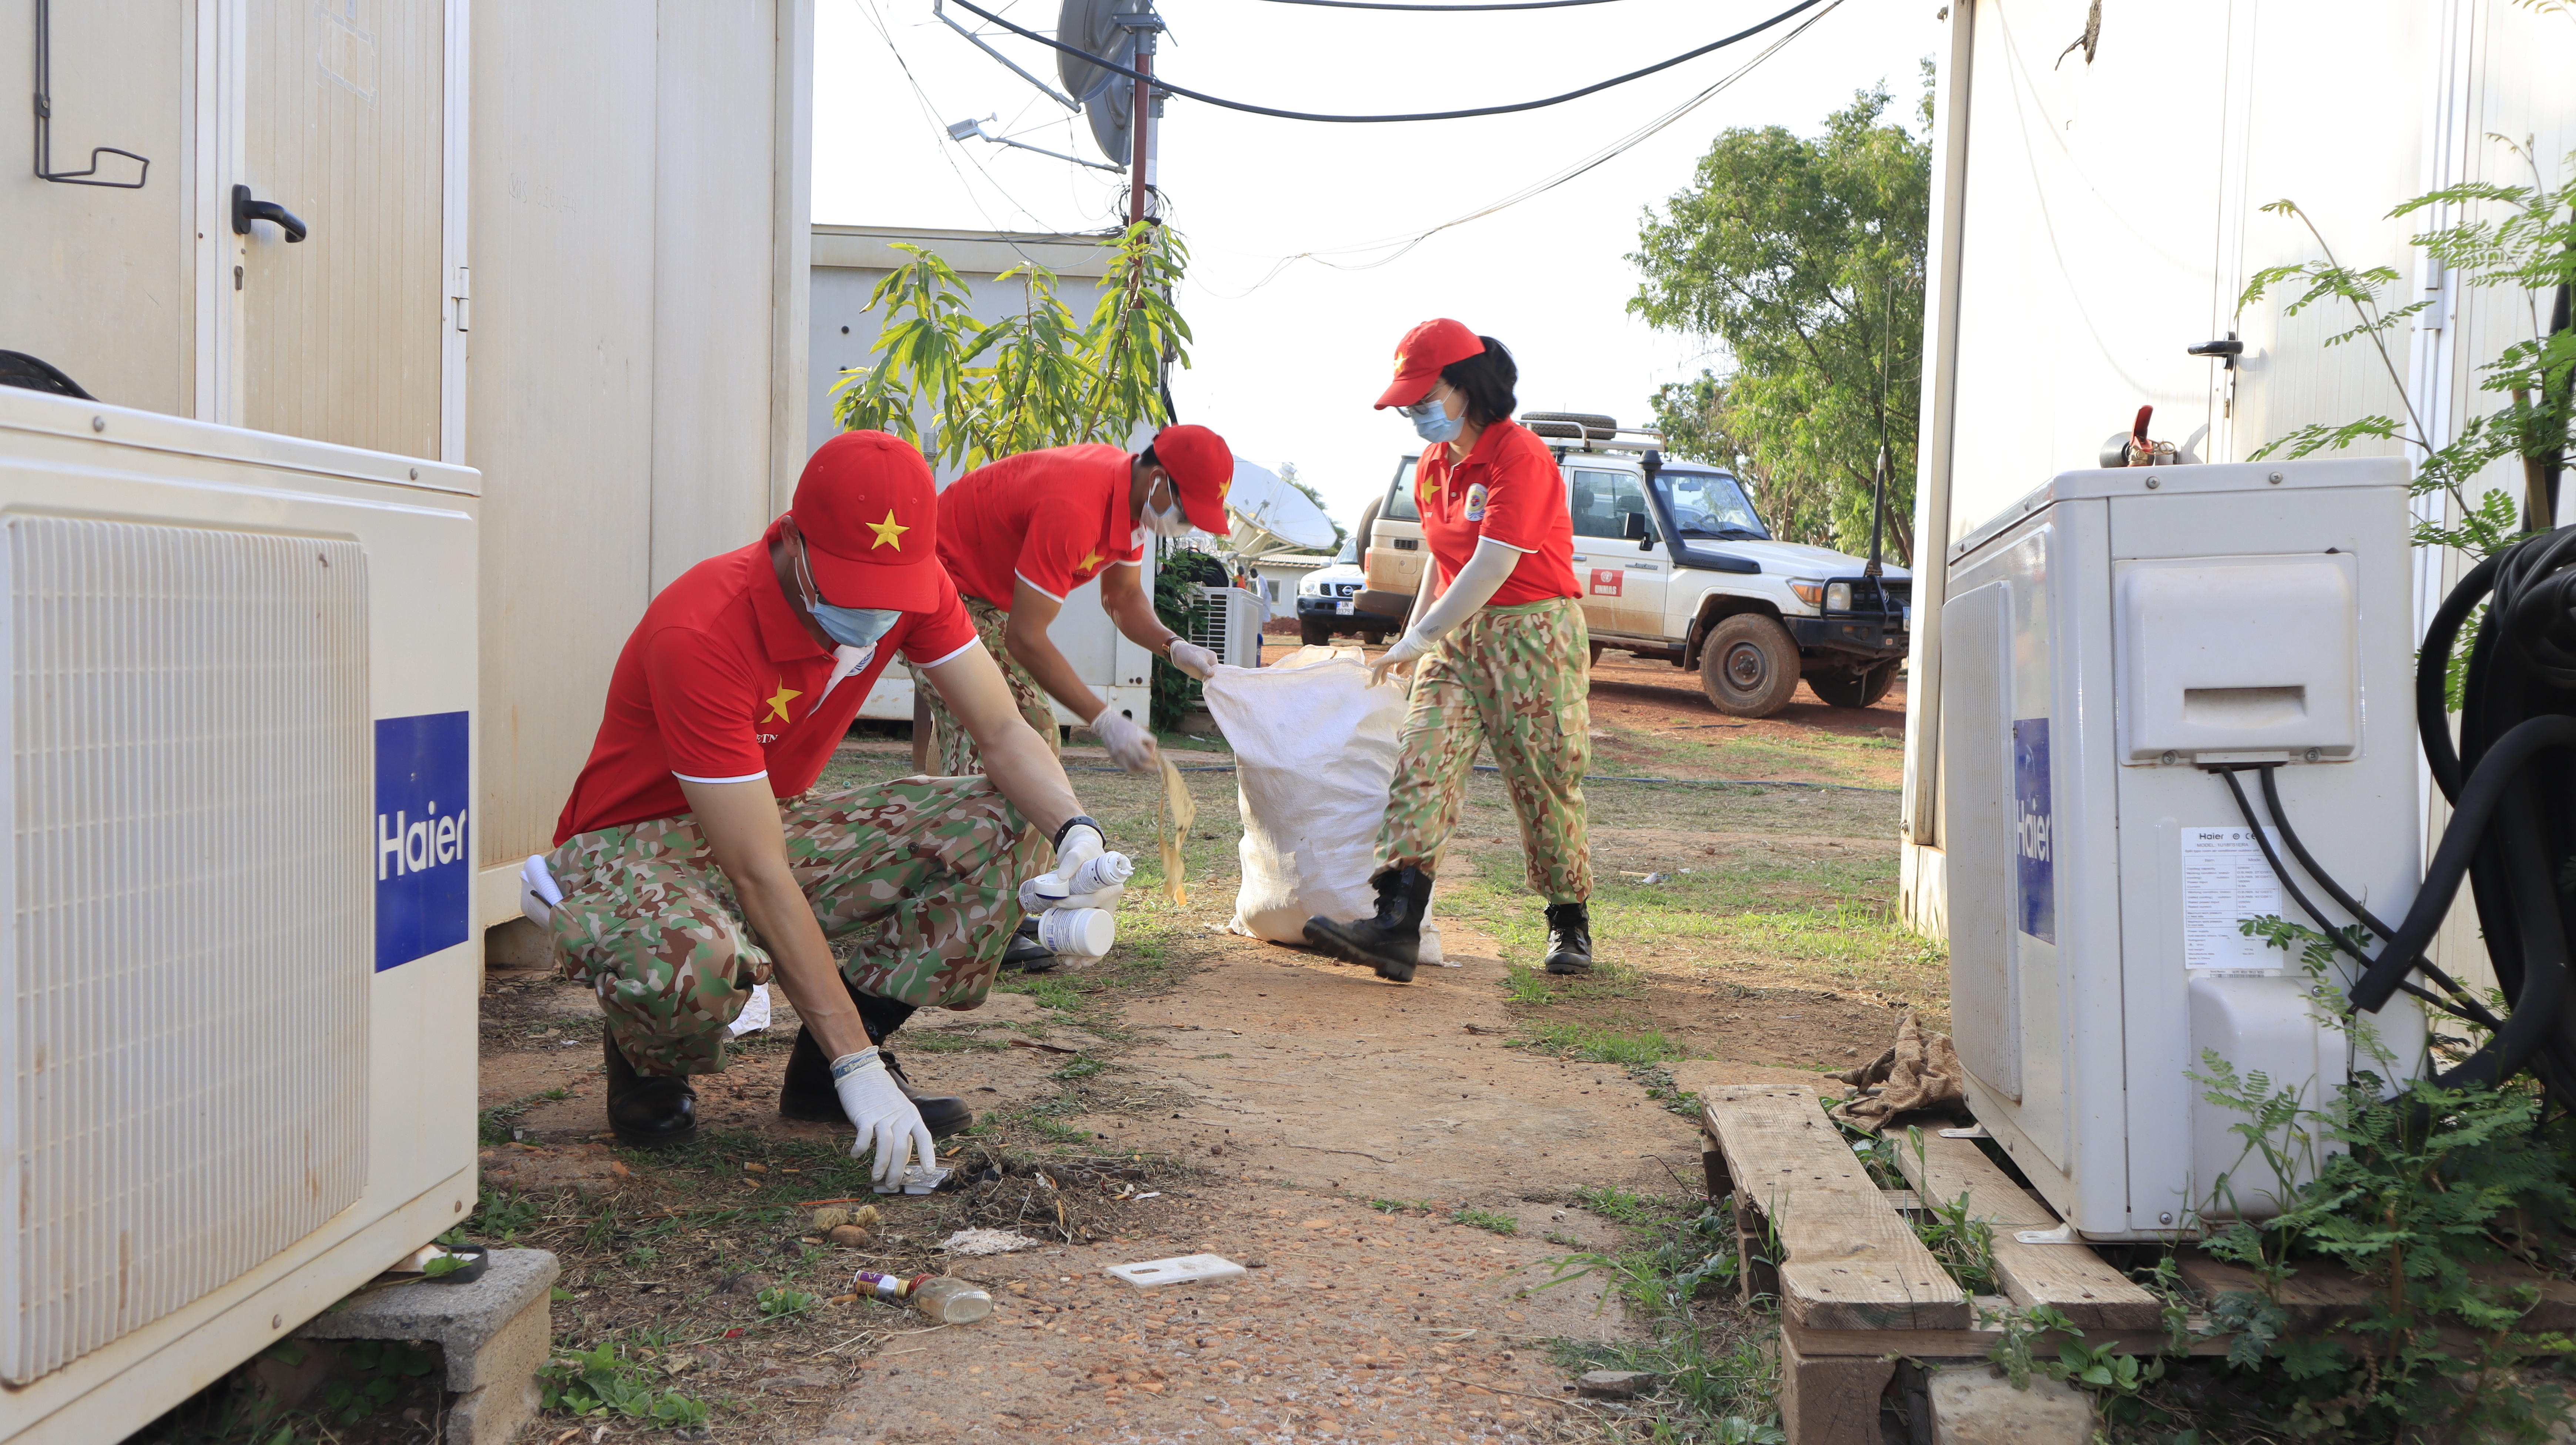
{"x": 1078, "y": 820}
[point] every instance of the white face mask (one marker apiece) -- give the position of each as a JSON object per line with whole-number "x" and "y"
{"x": 1163, "y": 523}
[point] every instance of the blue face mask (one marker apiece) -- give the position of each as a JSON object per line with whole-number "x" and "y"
{"x": 848, "y": 626}
{"x": 1432, "y": 421}
{"x": 853, "y": 626}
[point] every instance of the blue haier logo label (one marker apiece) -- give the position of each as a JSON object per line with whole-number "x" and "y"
{"x": 423, "y": 864}
{"x": 2034, "y": 833}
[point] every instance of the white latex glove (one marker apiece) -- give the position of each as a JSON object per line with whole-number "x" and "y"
{"x": 1080, "y": 845}
{"x": 1130, "y": 746}
{"x": 1193, "y": 659}
{"x": 888, "y": 1123}
{"x": 1404, "y": 650}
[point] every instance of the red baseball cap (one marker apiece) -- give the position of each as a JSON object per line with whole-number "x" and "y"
{"x": 1420, "y": 356}
{"x": 1202, "y": 468}
{"x": 870, "y": 517}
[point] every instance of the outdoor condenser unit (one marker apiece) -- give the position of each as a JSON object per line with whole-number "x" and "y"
{"x": 238, "y": 1076}
{"x": 2104, "y": 643}
{"x": 1227, "y": 622}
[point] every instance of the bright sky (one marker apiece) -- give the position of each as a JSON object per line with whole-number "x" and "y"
{"x": 1288, "y": 358}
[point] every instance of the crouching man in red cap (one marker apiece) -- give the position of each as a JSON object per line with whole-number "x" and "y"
{"x": 1019, "y": 535}
{"x": 691, "y": 863}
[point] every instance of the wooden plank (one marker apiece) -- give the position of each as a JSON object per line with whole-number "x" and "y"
{"x": 1850, "y": 1262}
{"x": 1969, "y": 1344}
{"x": 2067, "y": 1277}
{"x": 2323, "y": 1294}
{"x": 1830, "y": 1400}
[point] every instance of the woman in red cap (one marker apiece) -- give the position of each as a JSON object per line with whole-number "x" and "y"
{"x": 1505, "y": 655}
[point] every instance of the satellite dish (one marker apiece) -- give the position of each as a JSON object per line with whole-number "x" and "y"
{"x": 1262, "y": 502}
{"x": 1107, "y": 97}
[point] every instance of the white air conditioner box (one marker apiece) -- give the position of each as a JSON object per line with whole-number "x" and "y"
{"x": 2105, "y": 641}
{"x": 1228, "y": 622}
{"x": 238, "y": 1076}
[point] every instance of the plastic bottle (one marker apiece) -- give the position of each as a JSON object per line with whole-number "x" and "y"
{"x": 1106, "y": 871}
{"x": 944, "y": 1298}
{"x": 1077, "y": 932}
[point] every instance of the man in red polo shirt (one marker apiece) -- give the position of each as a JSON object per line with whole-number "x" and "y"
{"x": 1020, "y": 534}
{"x": 691, "y": 863}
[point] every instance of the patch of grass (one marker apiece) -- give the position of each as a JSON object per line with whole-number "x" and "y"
{"x": 1400, "y": 1206}
{"x": 1716, "y": 1385}
{"x": 1658, "y": 1083}
{"x": 1050, "y": 992}
{"x": 1485, "y": 1219}
{"x": 1600, "y": 1045}
{"x": 1612, "y": 1202}
{"x": 499, "y": 1218}
{"x": 1078, "y": 1068}
{"x": 778, "y": 1302}
{"x": 494, "y": 1125}
{"x": 1562, "y": 1239}
{"x": 950, "y": 1041}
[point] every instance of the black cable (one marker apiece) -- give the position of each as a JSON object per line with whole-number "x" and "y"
{"x": 2298, "y": 849}
{"x": 1160, "y": 84}
{"x": 1387, "y": 5}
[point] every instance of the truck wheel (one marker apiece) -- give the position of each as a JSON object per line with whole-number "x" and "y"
{"x": 1854, "y": 687}
{"x": 1749, "y": 667}
{"x": 1596, "y": 654}
{"x": 1314, "y": 631}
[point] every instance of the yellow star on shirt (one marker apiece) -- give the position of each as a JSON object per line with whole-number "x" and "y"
{"x": 1089, "y": 560}
{"x": 778, "y": 704}
{"x": 889, "y": 532}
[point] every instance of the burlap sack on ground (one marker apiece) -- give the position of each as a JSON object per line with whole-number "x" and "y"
{"x": 1920, "y": 1073}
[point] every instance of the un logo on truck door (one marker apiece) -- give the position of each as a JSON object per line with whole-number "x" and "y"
{"x": 423, "y": 852}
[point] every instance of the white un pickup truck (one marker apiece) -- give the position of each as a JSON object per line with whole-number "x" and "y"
{"x": 1672, "y": 562}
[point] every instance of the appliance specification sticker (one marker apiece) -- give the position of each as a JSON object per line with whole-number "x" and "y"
{"x": 2224, "y": 881}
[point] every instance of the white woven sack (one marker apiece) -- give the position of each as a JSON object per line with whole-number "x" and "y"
{"x": 1314, "y": 753}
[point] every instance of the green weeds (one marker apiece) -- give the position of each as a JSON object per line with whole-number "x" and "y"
{"x": 494, "y": 1125}
{"x": 1611, "y": 1202}
{"x": 604, "y": 1381}
{"x": 1716, "y": 1384}
{"x": 1600, "y": 1045}
{"x": 1485, "y": 1219}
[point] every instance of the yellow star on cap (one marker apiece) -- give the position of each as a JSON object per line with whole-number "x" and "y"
{"x": 778, "y": 704}
{"x": 889, "y": 532}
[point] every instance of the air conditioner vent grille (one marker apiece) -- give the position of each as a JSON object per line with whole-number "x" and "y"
{"x": 183, "y": 1075}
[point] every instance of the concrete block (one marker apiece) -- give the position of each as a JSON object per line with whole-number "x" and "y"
{"x": 494, "y": 1333}
{"x": 1976, "y": 1405}
{"x": 517, "y": 944}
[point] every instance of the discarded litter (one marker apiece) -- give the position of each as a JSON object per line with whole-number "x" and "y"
{"x": 1654, "y": 878}
{"x": 944, "y": 1298}
{"x": 833, "y": 1216}
{"x": 987, "y": 1241}
{"x": 922, "y": 1178}
{"x": 755, "y": 1013}
{"x": 1180, "y": 1269}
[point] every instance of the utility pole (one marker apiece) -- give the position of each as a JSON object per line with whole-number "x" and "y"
{"x": 1140, "y": 163}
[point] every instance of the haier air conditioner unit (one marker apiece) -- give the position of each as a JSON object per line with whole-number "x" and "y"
{"x": 2106, "y": 643}
{"x": 238, "y": 1075}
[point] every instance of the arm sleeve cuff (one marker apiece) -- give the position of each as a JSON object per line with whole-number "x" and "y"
{"x": 972, "y": 642}
{"x": 745, "y": 778}
{"x": 1042, "y": 592}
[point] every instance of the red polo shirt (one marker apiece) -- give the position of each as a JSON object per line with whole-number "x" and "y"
{"x": 1054, "y": 519}
{"x": 1508, "y": 489}
{"x": 720, "y": 684}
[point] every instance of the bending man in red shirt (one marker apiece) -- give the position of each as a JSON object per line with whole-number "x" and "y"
{"x": 1505, "y": 655}
{"x": 691, "y": 863}
{"x": 1021, "y": 533}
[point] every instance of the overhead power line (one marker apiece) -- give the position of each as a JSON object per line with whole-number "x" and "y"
{"x": 1388, "y": 5}
{"x": 1398, "y": 246}
{"x": 1161, "y": 84}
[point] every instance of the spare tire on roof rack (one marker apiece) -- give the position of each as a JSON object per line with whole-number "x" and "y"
{"x": 1574, "y": 425}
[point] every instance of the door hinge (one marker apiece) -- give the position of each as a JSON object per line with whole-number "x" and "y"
{"x": 464, "y": 299}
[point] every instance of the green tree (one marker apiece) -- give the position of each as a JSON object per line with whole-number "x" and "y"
{"x": 1804, "y": 257}
{"x": 967, "y": 392}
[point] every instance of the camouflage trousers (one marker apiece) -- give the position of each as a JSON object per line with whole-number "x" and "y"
{"x": 952, "y": 751}
{"x": 916, "y": 873}
{"x": 1514, "y": 677}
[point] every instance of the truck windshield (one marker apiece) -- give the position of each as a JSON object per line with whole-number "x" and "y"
{"x": 1709, "y": 504}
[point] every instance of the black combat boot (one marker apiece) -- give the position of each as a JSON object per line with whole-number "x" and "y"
{"x": 1569, "y": 938}
{"x": 1392, "y": 941}
{"x": 649, "y": 1111}
{"x": 1026, "y": 954}
{"x": 807, "y": 1092}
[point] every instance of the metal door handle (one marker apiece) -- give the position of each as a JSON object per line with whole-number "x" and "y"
{"x": 247, "y": 210}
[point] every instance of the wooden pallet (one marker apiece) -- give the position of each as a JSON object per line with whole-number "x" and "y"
{"x": 1857, "y": 1290}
